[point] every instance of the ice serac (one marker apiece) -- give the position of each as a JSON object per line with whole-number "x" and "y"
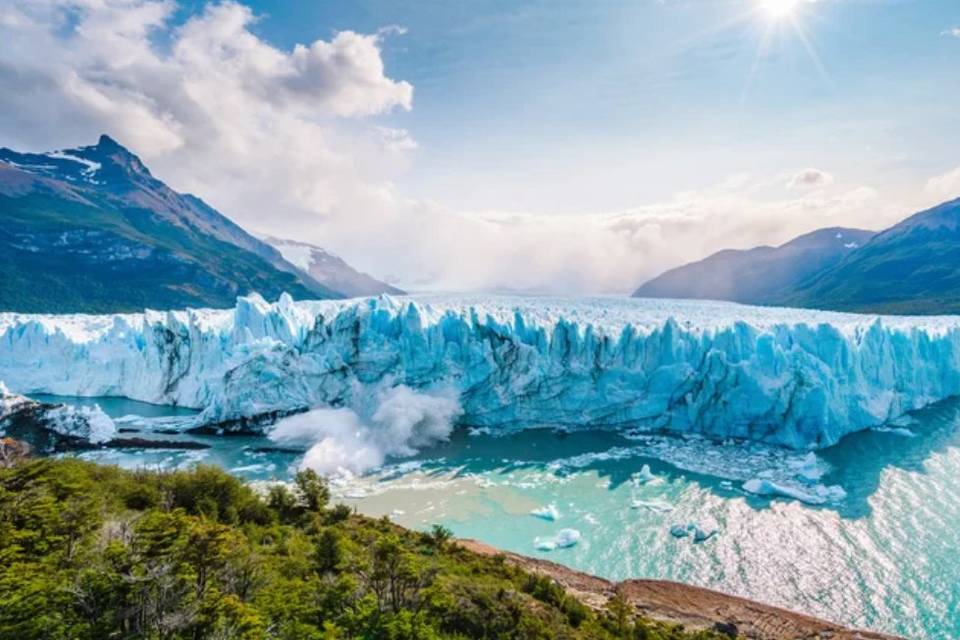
{"x": 789, "y": 377}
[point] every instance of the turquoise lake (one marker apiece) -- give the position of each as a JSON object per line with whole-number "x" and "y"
{"x": 884, "y": 556}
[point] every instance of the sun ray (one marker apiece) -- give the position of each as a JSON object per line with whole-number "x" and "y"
{"x": 811, "y": 50}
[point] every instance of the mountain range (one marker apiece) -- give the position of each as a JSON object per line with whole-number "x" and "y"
{"x": 92, "y": 230}
{"x": 911, "y": 268}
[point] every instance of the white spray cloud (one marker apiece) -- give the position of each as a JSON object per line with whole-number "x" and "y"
{"x": 395, "y": 421}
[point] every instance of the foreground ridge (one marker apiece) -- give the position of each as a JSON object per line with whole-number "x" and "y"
{"x": 684, "y": 604}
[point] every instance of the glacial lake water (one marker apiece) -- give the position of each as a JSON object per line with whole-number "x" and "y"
{"x": 884, "y": 556}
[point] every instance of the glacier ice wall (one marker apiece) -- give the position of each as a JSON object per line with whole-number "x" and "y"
{"x": 791, "y": 377}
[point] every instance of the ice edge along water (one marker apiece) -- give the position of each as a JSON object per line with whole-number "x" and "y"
{"x": 798, "y": 378}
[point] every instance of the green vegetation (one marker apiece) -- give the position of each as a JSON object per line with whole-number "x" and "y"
{"x": 95, "y": 552}
{"x": 176, "y": 265}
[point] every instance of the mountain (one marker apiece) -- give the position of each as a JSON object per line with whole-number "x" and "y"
{"x": 91, "y": 230}
{"x": 330, "y": 270}
{"x": 760, "y": 275}
{"x": 911, "y": 268}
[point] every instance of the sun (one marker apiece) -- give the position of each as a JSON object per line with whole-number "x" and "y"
{"x": 779, "y": 9}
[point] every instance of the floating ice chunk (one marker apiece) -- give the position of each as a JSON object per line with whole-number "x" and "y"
{"x": 817, "y": 494}
{"x": 660, "y": 506}
{"x": 564, "y": 539}
{"x": 701, "y": 534}
{"x": 548, "y": 512}
{"x": 645, "y": 475}
{"x": 808, "y": 467}
{"x": 545, "y": 544}
{"x": 567, "y": 538}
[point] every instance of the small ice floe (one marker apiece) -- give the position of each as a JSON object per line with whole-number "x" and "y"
{"x": 644, "y": 475}
{"x": 726, "y": 484}
{"x": 567, "y": 538}
{"x": 699, "y": 532}
{"x": 564, "y": 539}
{"x": 815, "y": 494}
{"x": 808, "y": 468}
{"x": 544, "y": 544}
{"x": 589, "y": 518}
{"x": 549, "y": 512}
{"x": 660, "y": 506}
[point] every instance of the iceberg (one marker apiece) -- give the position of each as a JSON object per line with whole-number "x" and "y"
{"x": 796, "y": 378}
{"x": 814, "y": 494}
{"x": 657, "y": 505}
{"x": 549, "y": 513}
{"x": 699, "y": 533}
{"x": 544, "y": 544}
{"x": 567, "y": 538}
{"x": 645, "y": 475}
{"x": 564, "y": 539}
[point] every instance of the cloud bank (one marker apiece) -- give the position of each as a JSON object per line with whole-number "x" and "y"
{"x": 293, "y": 143}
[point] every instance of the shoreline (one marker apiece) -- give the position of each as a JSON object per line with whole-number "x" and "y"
{"x": 694, "y": 607}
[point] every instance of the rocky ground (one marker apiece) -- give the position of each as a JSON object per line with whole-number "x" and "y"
{"x": 694, "y": 607}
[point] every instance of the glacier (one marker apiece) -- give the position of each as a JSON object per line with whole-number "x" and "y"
{"x": 797, "y": 378}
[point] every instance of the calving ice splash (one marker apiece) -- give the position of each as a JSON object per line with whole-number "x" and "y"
{"x": 382, "y": 376}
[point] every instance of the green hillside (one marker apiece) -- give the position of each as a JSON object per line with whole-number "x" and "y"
{"x": 90, "y": 552}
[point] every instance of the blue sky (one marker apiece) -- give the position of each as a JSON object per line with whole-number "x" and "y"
{"x": 567, "y": 146}
{"x": 546, "y": 106}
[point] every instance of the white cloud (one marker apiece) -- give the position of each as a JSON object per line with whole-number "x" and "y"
{"x": 288, "y": 142}
{"x": 945, "y": 186}
{"x": 810, "y": 179}
{"x": 954, "y": 32}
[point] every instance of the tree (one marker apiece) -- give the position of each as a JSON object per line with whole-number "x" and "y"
{"x": 283, "y": 502}
{"x": 329, "y": 551}
{"x": 314, "y": 490}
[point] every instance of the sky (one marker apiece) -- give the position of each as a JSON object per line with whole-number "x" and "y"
{"x": 562, "y": 146}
